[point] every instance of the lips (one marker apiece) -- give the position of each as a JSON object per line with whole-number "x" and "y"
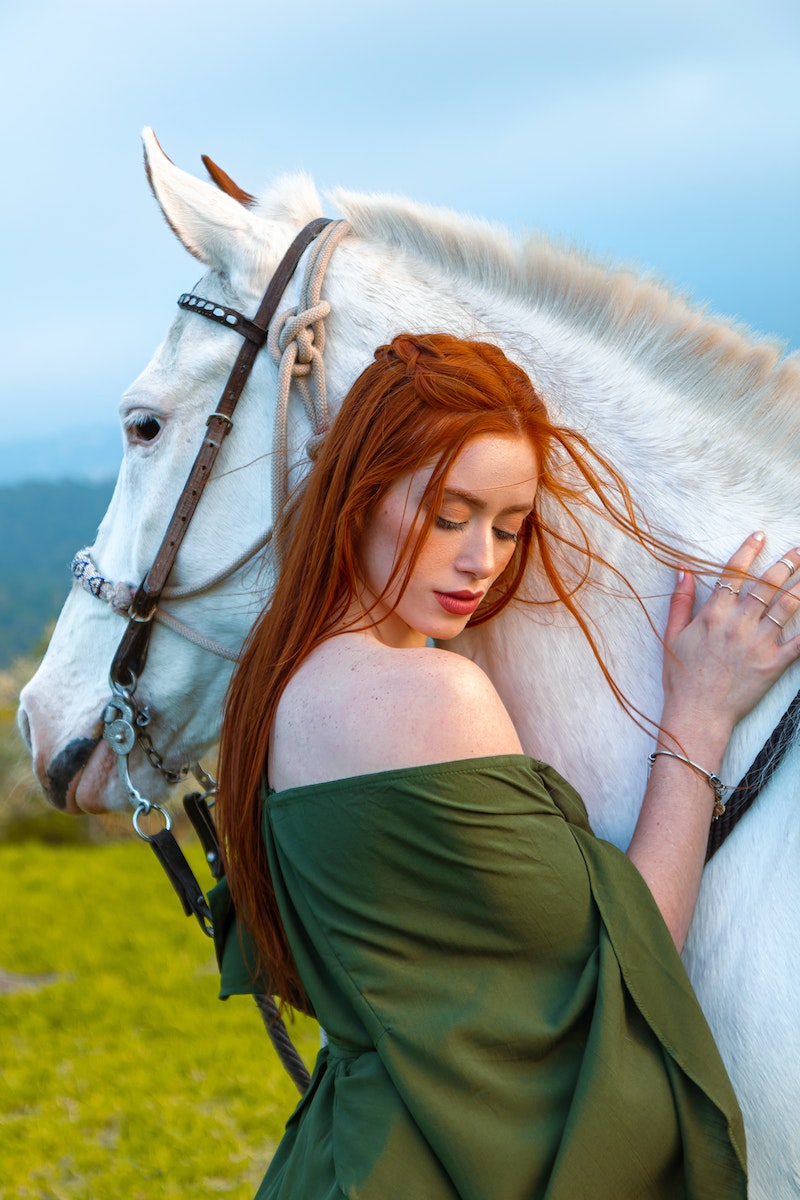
{"x": 459, "y": 604}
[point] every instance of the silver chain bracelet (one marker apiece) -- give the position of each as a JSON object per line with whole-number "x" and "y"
{"x": 714, "y": 782}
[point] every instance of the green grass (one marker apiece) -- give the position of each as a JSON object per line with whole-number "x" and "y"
{"x": 124, "y": 1078}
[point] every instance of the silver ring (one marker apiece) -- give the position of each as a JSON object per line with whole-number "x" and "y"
{"x": 143, "y": 809}
{"x": 774, "y": 620}
{"x": 719, "y": 584}
{"x": 786, "y": 563}
{"x": 766, "y": 603}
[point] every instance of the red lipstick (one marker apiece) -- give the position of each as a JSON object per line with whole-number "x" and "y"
{"x": 460, "y": 604}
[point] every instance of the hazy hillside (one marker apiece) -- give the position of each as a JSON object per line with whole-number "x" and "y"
{"x": 42, "y": 524}
{"x": 82, "y": 454}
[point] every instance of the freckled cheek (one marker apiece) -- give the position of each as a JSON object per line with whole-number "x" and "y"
{"x": 503, "y": 560}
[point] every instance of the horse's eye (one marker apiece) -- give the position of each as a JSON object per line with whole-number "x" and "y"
{"x": 144, "y": 429}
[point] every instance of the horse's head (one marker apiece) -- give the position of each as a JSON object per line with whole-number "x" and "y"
{"x": 163, "y": 416}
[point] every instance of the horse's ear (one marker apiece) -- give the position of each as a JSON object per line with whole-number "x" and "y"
{"x": 226, "y": 184}
{"x": 209, "y": 222}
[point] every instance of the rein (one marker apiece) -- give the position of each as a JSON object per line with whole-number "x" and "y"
{"x": 756, "y": 778}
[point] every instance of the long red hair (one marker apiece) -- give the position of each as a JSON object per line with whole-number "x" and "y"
{"x": 420, "y": 402}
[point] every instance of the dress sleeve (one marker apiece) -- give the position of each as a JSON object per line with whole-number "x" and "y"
{"x": 236, "y": 957}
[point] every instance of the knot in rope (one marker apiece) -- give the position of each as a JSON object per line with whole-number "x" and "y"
{"x": 304, "y": 332}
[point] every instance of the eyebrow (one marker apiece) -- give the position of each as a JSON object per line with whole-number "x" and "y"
{"x": 477, "y": 503}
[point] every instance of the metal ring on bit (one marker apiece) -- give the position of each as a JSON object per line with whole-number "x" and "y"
{"x": 142, "y": 810}
{"x": 766, "y": 603}
{"x": 774, "y": 620}
{"x": 719, "y": 584}
{"x": 786, "y": 563}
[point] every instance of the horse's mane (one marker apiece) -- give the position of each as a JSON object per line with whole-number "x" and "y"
{"x": 722, "y": 364}
{"x": 729, "y": 372}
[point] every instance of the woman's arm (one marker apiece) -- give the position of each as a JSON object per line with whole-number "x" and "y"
{"x": 717, "y": 666}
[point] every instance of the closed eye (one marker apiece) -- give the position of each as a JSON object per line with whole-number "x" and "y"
{"x": 502, "y": 535}
{"x": 505, "y": 535}
{"x": 443, "y": 523}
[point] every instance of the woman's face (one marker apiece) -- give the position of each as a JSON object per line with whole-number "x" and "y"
{"x": 488, "y": 493}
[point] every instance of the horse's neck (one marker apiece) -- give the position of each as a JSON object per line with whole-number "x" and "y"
{"x": 679, "y": 457}
{"x": 685, "y": 407}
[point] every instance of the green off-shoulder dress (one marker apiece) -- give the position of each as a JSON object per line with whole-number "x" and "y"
{"x": 508, "y": 1017}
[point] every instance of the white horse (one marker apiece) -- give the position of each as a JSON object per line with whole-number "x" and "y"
{"x": 701, "y": 421}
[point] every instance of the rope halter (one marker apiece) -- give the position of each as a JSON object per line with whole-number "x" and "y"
{"x": 296, "y": 343}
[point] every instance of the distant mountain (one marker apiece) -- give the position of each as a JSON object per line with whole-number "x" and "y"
{"x": 42, "y": 524}
{"x": 93, "y": 454}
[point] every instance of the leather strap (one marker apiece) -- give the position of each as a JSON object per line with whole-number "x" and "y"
{"x": 198, "y": 812}
{"x": 181, "y": 876}
{"x": 131, "y": 654}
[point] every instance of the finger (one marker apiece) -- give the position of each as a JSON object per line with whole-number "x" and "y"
{"x": 680, "y": 605}
{"x": 783, "y": 600}
{"x": 777, "y": 576}
{"x": 739, "y": 564}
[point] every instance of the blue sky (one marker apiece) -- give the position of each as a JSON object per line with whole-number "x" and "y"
{"x": 659, "y": 133}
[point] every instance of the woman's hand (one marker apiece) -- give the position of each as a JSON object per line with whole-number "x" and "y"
{"x": 719, "y": 664}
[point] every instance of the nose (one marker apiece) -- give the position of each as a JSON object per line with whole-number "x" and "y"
{"x": 478, "y": 557}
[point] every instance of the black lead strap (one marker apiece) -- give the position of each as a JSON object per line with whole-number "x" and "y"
{"x": 198, "y": 811}
{"x": 758, "y": 775}
{"x": 181, "y": 876}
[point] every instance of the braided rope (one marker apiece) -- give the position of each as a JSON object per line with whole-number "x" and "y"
{"x": 284, "y": 1046}
{"x": 191, "y": 635}
{"x": 758, "y": 775}
{"x": 119, "y": 596}
{"x": 296, "y": 343}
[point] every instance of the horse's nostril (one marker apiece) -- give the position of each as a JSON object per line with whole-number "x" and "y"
{"x": 24, "y": 726}
{"x": 65, "y": 767}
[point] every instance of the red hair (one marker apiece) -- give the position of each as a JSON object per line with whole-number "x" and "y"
{"x": 420, "y": 402}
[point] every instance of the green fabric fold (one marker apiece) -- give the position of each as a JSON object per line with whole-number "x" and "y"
{"x": 508, "y": 1015}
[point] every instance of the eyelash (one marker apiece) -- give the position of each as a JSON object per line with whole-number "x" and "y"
{"x": 502, "y": 535}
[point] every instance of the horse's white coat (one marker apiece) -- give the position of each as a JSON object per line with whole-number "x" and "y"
{"x": 702, "y": 422}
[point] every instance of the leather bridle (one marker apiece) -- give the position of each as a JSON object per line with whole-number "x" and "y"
{"x": 124, "y": 720}
{"x": 131, "y": 654}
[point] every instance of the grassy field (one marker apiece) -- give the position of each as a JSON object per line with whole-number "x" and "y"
{"x": 123, "y": 1077}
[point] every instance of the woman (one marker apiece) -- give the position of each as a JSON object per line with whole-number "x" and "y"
{"x": 507, "y": 1012}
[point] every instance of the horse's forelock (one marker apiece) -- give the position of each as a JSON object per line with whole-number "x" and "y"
{"x": 292, "y": 197}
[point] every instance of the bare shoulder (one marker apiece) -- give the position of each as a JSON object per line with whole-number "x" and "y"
{"x": 429, "y": 677}
{"x": 352, "y": 714}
